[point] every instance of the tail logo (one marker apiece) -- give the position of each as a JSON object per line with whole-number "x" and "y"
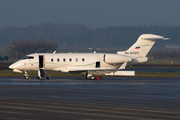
{"x": 137, "y": 48}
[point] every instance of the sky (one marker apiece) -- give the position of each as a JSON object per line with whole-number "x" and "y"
{"x": 91, "y": 13}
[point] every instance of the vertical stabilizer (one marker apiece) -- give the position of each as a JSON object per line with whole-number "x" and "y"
{"x": 143, "y": 45}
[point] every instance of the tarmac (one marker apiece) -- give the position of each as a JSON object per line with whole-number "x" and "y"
{"x": 72, "y": 98}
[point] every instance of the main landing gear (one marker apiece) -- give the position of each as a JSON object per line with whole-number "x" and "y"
{"x": 91, "y": 77}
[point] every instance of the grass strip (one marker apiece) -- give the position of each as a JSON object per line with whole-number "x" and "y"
{"x": 10, "y": 73}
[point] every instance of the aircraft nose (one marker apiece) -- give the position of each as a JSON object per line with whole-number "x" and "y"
{"x": 11, "y": 66}
{"x": 14, "y": 65}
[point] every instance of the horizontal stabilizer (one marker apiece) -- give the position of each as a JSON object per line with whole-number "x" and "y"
{"x": 156, "y": 38}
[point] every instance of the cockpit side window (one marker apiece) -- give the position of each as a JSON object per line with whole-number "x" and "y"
{"x": 28, "y": 57}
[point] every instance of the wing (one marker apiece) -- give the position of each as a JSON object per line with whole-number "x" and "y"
{"x": 85, "y": 70}
{"x": 95, "y": 71}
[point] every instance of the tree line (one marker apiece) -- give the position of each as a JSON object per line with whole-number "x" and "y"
{"x": 165, "y": 54}
{"x": 48, "y": 37}
{"x": 20, "y": 48}
{"x": 77, "y": 35}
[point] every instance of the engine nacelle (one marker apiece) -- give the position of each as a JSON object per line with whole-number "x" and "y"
{"x": 113, "y": 58}
{"x": 139, "y": 60}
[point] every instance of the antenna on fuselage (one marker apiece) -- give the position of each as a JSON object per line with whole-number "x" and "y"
{"x": 54, "y": 52}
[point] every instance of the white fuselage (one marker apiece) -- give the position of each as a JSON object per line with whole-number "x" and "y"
{"x": 66, "y": 62}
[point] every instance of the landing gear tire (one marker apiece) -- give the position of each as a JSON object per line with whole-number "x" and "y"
{"x": 92, "y": 78}
{"x": 26, "y": 77}
{"x": 89, "y": 76}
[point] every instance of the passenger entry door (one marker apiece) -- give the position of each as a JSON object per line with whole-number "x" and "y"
{"x": 41, "y": 61}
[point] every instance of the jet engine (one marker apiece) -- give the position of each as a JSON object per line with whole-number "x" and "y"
{"x": 113, "y": 58}
{"x": 139, "y": 60}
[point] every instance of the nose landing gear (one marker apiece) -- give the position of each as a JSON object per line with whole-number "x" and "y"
{"x": 26, "y": 75}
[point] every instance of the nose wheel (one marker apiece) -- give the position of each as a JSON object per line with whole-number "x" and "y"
{"x": 26, "y": 77}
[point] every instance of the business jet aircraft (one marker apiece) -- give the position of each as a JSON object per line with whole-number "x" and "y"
{"x": 88, "y": 64}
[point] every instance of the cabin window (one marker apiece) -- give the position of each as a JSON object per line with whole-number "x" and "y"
{"x": 83, "y": 59}
{"x": 70, "y": 59}
{"x": 58, "y": 60}
{"x": 76, "y": 59}
{"x": 64, "y": 60}
{"x": 52, "y": 60}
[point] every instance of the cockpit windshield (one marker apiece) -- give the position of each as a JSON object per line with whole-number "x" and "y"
{"x": 28, "y": 57}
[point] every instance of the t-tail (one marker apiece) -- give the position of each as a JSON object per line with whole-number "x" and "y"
{"x": 141, "y": 47}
